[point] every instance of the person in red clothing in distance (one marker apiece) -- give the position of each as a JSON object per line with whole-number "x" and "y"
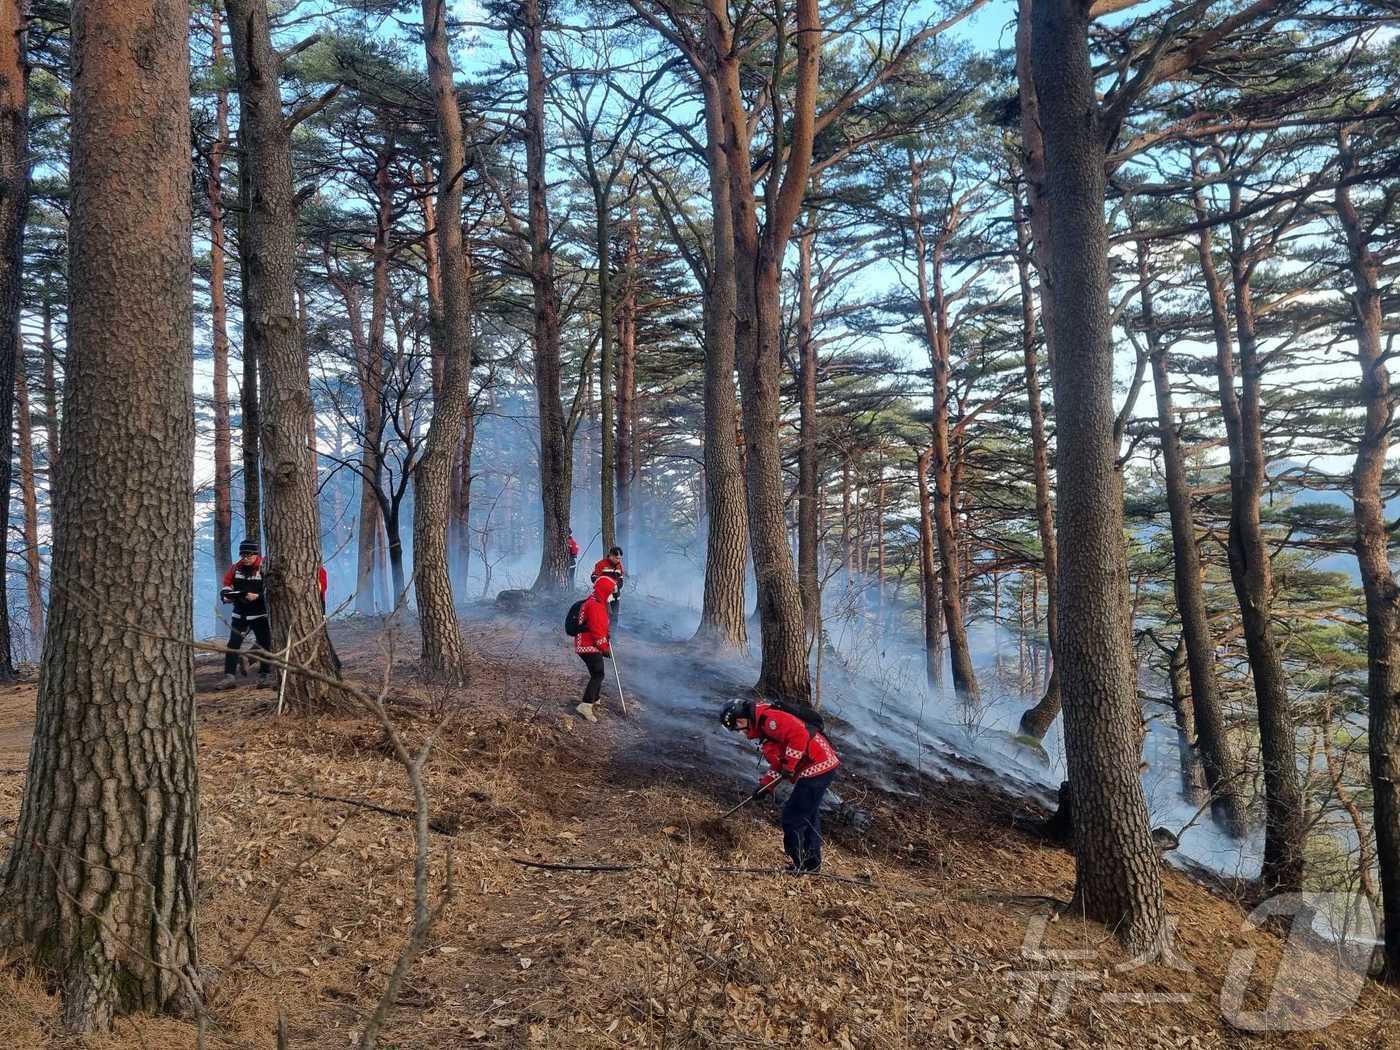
{"x": 800, "y": 754}
{"x": 611, "y": 567}
{"x": 573, "y": 558}
{"x": 591, "y": 643}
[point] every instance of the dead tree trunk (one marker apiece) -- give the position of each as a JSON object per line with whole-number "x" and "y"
{"x": 1372, "y": 552}
{"x": 100, "y": 885}
{"x": 1118, "y": 881}
{"x": 554, "y": 468}
{"x": 1222, "y": 772}
{"x": 437, "y": 612}
{"x": 274, "y": 332}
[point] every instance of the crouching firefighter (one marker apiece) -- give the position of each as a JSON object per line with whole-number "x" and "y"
{"x": 243, "y": 589}
{"x": 587, "y": 622}
{"x": 797, "y": 751}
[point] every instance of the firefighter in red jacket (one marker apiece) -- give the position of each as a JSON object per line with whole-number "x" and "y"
{"x": 591, "y": 643}
{"x": 243, "y": 589}
{"x": 611, "y": 568}
{"x": 573, "y": 558}
{"x": 796, "y": 753}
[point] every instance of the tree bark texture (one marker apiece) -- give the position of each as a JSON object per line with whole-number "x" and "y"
{"x": 1118, "y": 881}
{"x": 101, "y": 879}
{"x": 1373, "y": 555}
{"x": 432, "y": 506}
{"x": 722, "y": 619}
{"x": 273, "y": 329}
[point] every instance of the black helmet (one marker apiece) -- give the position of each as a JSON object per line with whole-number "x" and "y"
{"x": 617, "y": 551}
{"x": 735, "y": 710}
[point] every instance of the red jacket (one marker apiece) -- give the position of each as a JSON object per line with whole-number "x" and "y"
{"x": 788, "y": 745}
{"x": 321, "y": 581}
{"x": 594, "y": 619}
{"x": 606, "y": 569}
{"x": 573, "y": 547}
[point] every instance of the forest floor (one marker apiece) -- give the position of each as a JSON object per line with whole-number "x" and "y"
{"x": 940, "y": 939}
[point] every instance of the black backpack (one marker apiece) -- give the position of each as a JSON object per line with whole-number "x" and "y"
{"x": 805, "y": 711}
{"x": 573, "y": 619}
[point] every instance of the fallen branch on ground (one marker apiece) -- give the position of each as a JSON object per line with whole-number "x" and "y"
{"x": 442, "y": 827}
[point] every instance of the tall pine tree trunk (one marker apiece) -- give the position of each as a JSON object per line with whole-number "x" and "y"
{"x": 250, "y": 427}
{"x": 602, "y": 246}
{"x": 1373, "y": 556}
{"x": 218, "y": 302}
{"x": 52, "y": 410}
{"x": 437, "y": 612}
{"x": 1222, "y": 772}
{"x": 928, "y": 578}
{"x": 273, "y": 330}
{"x": 627, "y": 391}
{"x": 933, "y": 309}
{"x": 1252, "y": 576}
{"x": 758, "y": 250}
{"x": 554, "y": 467}
{"x": 33, "y": 573}
{"x": 722, "y": 619}
{"x": 1037, "y": 721}
{"x": 808, "y": 482}
{"x": 100, "y": 885}
{"x": 14, "y": 203}
{"x": 1118, "y": 881}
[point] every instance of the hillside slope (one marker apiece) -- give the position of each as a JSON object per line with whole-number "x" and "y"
{"x": 930, "y": 936}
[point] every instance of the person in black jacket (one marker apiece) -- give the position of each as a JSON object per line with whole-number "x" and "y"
{"x": 243, "y": 589}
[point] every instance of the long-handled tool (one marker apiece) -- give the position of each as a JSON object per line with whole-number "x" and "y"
{"x": 612, "y": 656}
{"x": 752, "y": 798}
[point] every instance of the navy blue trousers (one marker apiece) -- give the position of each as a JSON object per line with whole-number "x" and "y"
{"x": 802, "y": 821}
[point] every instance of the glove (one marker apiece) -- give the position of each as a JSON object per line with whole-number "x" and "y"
{"x": 766, "y": 782}
{"x": 605, "y": 648}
